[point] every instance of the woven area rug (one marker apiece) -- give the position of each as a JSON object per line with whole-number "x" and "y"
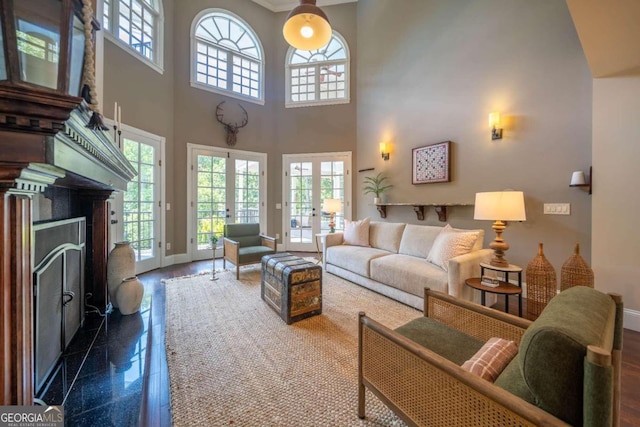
{"x": 233, "y": 361}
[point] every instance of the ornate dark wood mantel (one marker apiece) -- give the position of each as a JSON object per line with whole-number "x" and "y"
{"x": 34, "y": 155}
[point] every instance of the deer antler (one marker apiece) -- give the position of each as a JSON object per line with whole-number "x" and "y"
{"x": 220, "y": 114}
{"x": 231, "y": 130}
{"x": 245, "y": 118}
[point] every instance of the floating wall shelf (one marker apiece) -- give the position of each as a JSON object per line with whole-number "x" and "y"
{"x": 440, "y": 209}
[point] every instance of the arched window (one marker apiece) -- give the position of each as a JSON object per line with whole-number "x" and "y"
{"x": 318, "y": 77}
{"x": 138, "y": 26}
{"x": 226, "y": 56}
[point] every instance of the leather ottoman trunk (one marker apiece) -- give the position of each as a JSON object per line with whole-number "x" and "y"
{"x": 291, "y": 286}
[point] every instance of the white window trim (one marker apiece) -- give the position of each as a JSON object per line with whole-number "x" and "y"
{"x": 192, "y": 75}
{"x": 142, "y": 135}
{"x": 348, "y": 184}
{"x": 258, "y": 156}
{"x": 346, "y": 100}
{"x": 157, "y": 65}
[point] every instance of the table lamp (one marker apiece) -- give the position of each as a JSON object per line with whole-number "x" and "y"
{"x": 500, "y": 206}
{"x": 332, "y": 206}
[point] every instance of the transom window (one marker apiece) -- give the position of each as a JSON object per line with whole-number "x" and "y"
{"x": 226, "y": 56}
{"x": 318, "y": 77}
{"x": 137, "y": 24}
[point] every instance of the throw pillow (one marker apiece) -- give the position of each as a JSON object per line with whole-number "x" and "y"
{"x": 492, "y": 358}
{"x": 449, "y": 244}
{"x": 356, "y": 233}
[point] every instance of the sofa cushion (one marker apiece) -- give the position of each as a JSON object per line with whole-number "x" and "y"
{"x": 353, "y": 258}
{"x": 409, "y": 274}
{"x": 418, "y": 239}
{"x": 245, "y": 241}
{"x": 450, "y": 244}
{"x": 492, "y": 358}
{"x": 479, "y": 241}
{"x": 356, "y": 233}
{"x": 386, "y": 235}
{"x": 441, "y": 339}
{"x": 553, "y": 348}
{"x": 511, "y": 380}
{"x": 253, "y": 253}
{"x": 237, "y": 230}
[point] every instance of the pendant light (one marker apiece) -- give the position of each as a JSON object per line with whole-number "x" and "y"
{"x": 307, "y": 27}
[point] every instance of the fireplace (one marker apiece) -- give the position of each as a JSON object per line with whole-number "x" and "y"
{"x": 58, "y": 290}
{"x": 48, "y": 176}
{"x": 45, "y": 176}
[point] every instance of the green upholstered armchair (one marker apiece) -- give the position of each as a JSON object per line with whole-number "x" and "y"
{"x": 243, "y": 244}
{"x": 566, "y": 371}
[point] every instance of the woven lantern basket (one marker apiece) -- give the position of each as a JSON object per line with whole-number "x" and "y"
{"x": 541, "y": 284}
{"x": 575, "y": 272}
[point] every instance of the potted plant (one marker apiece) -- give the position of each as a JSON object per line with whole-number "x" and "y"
{"x": 376, "y": 185}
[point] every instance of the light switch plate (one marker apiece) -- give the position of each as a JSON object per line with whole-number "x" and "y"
{"x": 557, "y": 209}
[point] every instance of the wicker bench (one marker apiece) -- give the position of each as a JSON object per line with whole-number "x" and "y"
{"x": 291, "y": 286}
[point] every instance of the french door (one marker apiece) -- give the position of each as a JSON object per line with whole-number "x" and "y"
{"x": 226, "y": 186}
{"x": 308, "y": 180}
{"x": 138, "y": 213}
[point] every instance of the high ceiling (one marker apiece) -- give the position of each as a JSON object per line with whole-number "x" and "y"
{"x": 285, "y": 5}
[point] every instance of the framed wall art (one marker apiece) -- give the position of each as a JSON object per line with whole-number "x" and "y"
{"x": 431, "y": 163}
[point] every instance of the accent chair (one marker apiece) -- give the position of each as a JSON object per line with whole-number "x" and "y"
{"x": 244, "y": 245}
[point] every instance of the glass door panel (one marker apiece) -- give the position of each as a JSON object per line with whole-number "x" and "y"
{"x": 141, "y": 215}
{"x": 211, "y": 199}
{"x": 227, "y": 187}
{"x": 301, "y": 210}
{"x": 247, "y": 200}
{"x": 332, "y": 187}
{"x": 309, "y": 180}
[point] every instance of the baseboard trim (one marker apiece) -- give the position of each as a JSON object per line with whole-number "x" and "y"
{"x": 175, "y": 259}
{"x": 631, "y": 319}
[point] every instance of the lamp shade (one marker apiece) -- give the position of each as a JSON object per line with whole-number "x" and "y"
{"x": 332, "y": 205}
{"x": 500, "y": 205}
{"x": 577, "y": 178}
{"x": 307, "y": 27}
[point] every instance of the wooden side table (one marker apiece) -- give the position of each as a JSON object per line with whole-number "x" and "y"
{"x": 504, "y": 287}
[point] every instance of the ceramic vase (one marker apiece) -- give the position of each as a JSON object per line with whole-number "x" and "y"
{"x": 377, "y": 200}
{"x": 121, "y": 263}
{"x": 129, "y": 295}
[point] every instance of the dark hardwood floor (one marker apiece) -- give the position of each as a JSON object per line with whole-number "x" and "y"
{"x": 155, "y": 411}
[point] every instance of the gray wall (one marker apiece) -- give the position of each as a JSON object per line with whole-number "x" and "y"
{"x": 146, "y": 96}
{"x": 168, "y": 106}
{"x": 616, "y": 201}
{"x": 433, "y": 70}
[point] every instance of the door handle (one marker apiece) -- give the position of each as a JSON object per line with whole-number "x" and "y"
{"x": 114, "y": 221}
{"x": 67, "y": 294}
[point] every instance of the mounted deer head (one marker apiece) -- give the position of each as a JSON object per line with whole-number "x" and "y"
{"x": 231, "y": 129}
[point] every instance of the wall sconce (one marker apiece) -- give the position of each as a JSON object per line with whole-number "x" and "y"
{"x": 578, "y": 179}
{"x": 384, "y": 151}
{"x": 494, "y": 122}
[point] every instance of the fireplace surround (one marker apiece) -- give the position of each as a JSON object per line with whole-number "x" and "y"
{"x": 48, "y": 174}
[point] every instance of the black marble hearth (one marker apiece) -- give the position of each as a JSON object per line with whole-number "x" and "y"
{"x": 99, "y": 378}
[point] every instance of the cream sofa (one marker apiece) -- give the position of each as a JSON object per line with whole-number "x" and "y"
{"x": 395, "y": 265}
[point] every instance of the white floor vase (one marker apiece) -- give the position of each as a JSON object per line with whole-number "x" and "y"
{"x": 129, "y": 295}
{"x": 121, "y": 264}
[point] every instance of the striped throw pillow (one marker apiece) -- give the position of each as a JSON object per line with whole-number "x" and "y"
{"x": 492, "y": 358}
